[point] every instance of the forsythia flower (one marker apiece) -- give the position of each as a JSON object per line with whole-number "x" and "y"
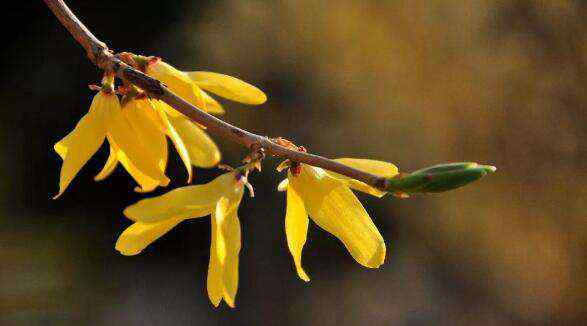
{"x": 220, "y": 198}
{"x": 106, "y": 120}
{"x": 146, "y": 123}
{"x": 191, "y": 85}
{"x": 326, "y": 198}
{"x": 151, "y": 122}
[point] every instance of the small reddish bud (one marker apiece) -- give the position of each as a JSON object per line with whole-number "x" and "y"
{"x": 295, "y": 168}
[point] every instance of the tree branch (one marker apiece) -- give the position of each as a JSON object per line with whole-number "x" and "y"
{"x": 101, "y": 56}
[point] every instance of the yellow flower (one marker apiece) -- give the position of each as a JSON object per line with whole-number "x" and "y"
{"x": 151, "y": 122}
{"x": 106, "y": 119}
{"x": 191, "y": 85}
{"x": 145, "y": 122}
{"x": 139, "y": 116}
{"x": 327, "y": 199}
{"x": 220, "y": 198}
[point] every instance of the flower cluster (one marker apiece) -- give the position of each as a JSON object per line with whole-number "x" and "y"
{"x": 324, "y": 196}
{"x": 137, "y": 127}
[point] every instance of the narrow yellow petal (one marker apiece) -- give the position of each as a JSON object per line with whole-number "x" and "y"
{"x": 109, "y": 166}
{"x": 230, "y": 231}
{"x": 185, "y": 202}
{"x": 138, "y": 160}
{"x": 139, "y": 114}
{"x": 224, "y": 252}
{"x": 212, "y": 106}
{"x": 214, "y": 278}
{"x": 380, "y": 168}
{"x": 334, "y": 207}
{"x": 177, "y": 81}
{"x": 296, "y": 229}
{"x": 202, "y": 150}
{"x": 139, "y": 235}
{"x": 154, "y": 106}
{"x": 87, "y": 137}
{"x": 178, "y": 142}
{"x": 228, "y": 87}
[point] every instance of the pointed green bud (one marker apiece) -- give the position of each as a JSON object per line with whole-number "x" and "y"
{"x": 439, "y": 178}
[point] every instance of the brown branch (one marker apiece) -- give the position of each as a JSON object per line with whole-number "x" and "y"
{"x": 99, "y": 54}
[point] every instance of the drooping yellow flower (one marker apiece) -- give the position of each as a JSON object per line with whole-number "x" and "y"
{"x": 144, "y": 117}
{"x": 105, "y": 119}
{"x": 151, "y": 122}
{"x": 140, "y": 117}
{"x": 220, "y": 198}
{"x": 327, "y": 199}
{"x": 191, "y": 85}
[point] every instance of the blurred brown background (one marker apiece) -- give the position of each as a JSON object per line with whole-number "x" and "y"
{"x": 411, "y": 82}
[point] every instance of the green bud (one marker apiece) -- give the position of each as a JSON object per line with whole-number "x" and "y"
{"x": 439, "y": 178}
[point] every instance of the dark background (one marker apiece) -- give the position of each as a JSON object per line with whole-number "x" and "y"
{"x": 411, "y": 82}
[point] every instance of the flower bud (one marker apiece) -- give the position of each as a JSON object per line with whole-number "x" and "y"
{"x": 439, "y": 178}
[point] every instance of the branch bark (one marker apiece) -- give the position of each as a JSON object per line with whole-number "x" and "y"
{"x": 101, "y": 56}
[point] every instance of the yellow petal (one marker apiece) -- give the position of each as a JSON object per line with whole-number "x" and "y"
{"x": 177, "y": 81}
{"x": 230, "y": 235}
{"x": 334, "y": 207}
{"x": 154, "y": 106}
{"x": 133, "y": 155}
{"x": 212, "y": 106}
{"x": 139, "y": 114}
{"x": 224, "y": 252}
{"x": 185, "y": 202}
{"x": 202, "y": 150}
{"x": 146, "y": 183}
{"x": 178, "y": 142}
{"x": 109, "y": 166}
{"x": 87, "y": 137}
{"x": 139, "y": 235}
{"x": 380, "y": 168}
{"x": 214, "y": 279}
{"x": 296, "y": 229}
{"x": 169, "y": 111}
{"x": 228, "y": 87}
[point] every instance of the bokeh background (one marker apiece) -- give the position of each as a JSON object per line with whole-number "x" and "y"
{"x": 412, "y": 82}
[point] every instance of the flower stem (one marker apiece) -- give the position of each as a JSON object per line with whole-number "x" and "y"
{"x": 101, "y": 56}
